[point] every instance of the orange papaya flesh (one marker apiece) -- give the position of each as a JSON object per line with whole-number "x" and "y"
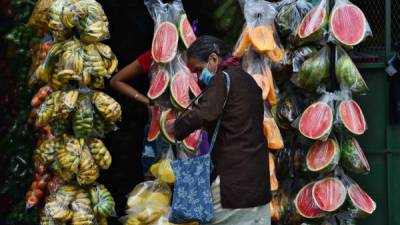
{"x": 243, "y": 45}
{"x": 262, "y": 38}
{"x": 273, "y": 134}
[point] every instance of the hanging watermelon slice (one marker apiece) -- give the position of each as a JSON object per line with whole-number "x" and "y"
{"x": 166, "y": 116}
{"x": 348, "y": 24}
{"x": 353, "y": 157}
{"x": 329, "y": 194}
{"x": 316, "y": 121}
{"x": 323, "y": 156}
{"x": 179, "y": 90}
{"x": 305, "y": 205}
{"x": 194, "y": 87}
{"x": 165, "y": 43}
{"x": 154, "y": 130}
{"x": 361, "y": 204}
{"x": 312, "y": 27}
{"x": 159, "y": 83}
{"x": 352, "y": 117}
{"x": 186, "y": 32}
{"x": 191, "y": 142}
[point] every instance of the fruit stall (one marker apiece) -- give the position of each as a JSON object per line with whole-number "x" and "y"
{"x": 329, "y": 120}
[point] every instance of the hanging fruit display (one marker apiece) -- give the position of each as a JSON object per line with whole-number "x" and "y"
{"x": 74, "y": 113}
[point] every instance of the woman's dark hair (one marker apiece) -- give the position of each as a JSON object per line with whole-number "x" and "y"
{"x": 205, "y": 45}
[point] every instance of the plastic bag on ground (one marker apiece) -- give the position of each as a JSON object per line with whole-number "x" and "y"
{"x": 313, "y": 27}
{"x": 147, "y": 202}
{"x": 163, "y": 169}
{"x": 271, "y": 131}
{"x": 348, "y": 24}
{"x": 347, "y": 74}
{"x": 314, "y": 72}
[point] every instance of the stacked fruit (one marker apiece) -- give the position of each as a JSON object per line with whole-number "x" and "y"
{"x": 72, "y": 115}
{"x": 318, "y": 126}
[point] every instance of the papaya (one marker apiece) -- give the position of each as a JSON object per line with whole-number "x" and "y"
{"x": 275, "y": 55}
{"x": 271, "y": 98}
{"x": 272, "y": 175}
{"x": 273, "y": 134}
{"x": 243, "y": 43}
{"x": 262, "y": 38}
{"x": 263, "y": 83}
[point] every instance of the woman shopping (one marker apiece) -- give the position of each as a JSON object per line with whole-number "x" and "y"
{"x": 240, "y": 184}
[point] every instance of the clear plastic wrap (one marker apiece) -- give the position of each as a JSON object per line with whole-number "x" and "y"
{"x": 289, "y": 18}
{"x": 348, "y": 24}
{"x": 347, "y": 73}
{"x": 82, "y": 209}
{"x": 66, "y": 103}
{"x": 88, "y": 171}
{"x": 47, "y": 151}
{"x": 57, "y": 206}
{"x": 353, "y": 158}
{"x": 166, "y": 36}
{"x": 313, "y": 27}
{"x": 95, "y": 64}
{"x": 94, "y": 27}
{"x": 259, "y": 67}
{"x": 160, "y": 77}
{"x": 102, "y": 201}
{"x": 100, "y": 154}
{"x": 44, "y": 71}
{"x": 272, "y": 174}
{"x": 39, "y": 18}
{"x": 70, "y": 66}
{"x": 272, "y": 132}
{"x": 323, "y": 156}
{"x": 69, "y": 155}
{"x": 162, "y": 169}
{"x": 298, "y": 56}
{"x": 180, "y": 83}
{"x": 317, "y": 120}
{"x": 57, "y": 28}
{"x": 314, "y": 72}
{"x": 107, "y": 106}
{"x": 147, "y": 202}
{"x": 349, "y": 115}
{"x": 82, "y": 120}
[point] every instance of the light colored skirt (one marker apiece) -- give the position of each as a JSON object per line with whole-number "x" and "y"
{"x": 260, "y": 215}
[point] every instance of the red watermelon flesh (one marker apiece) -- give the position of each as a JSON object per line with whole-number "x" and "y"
{"x": 179, "y": 89}
{"x": 305, "y": 205}
{"x": 154, "y": 130}
{"x": 348, "y": 24}
{"x": 192, "y": 141}
{"x": 165, "y": 42}
{"x": 323, "y": 156}
{"x": 166, "y": 116}
{"x": 186, "y": 32}
{"x": 329, "y": 194}
{"x": 312, "y": 22}
{"x": 159, "y": 83}
{"x": 352, "y": 117}
{"x": 361, "y": 200}
{"x": 194, "y": 87}
{"x": 316, "y": 121}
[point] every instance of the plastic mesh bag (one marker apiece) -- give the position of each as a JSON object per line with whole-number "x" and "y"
{"x": 82, "y": 121}
{"x": 107, "y": 106}
{"x": 100, "y": 154}
{"x": 88, "y": 171}
{"x": 38, "y": 18}
{"x": 57, "y": 28}
{"x": 102, "y": 201}
{"x": 69, "y": 155}
{"x": 82, "y": 209}
{"x": 348, "y": 24}
{"x": 57, "y": 206}
{"x": 314, "y": 72}
{"x": 347, "y": 73}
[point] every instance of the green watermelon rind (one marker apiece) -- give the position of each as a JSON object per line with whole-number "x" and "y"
{"x": 344, "y": 124}
{"x": 340, "y": 204}
{"x": 357, "y": 211}
{"x": 351, "y": 160}
{"x": 188, "y": 148}
{"x": 162, "y": 91}
{"x": 182, "y": 35}
{"x": 297, "y": 207}
{"x": 349, "y": 76}
{"x": 317, "y": 34}
{"x": 175, "y": 44}
{"x": 332, "y": 27}
{"x": 174, "y": 100}
{"x": 164, "y": 133}
{"x": 331, "y": 164}
{"x": 327, "y": 131}
{"x": 314, "y": 72}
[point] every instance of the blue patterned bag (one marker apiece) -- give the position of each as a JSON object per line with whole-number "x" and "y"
{"x": 192, "y": 198}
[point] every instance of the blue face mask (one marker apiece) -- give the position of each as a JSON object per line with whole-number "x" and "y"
{"x": 206, "y": 75}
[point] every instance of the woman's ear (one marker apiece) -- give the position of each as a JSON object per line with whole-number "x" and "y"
{"x": 213, "y": 60}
